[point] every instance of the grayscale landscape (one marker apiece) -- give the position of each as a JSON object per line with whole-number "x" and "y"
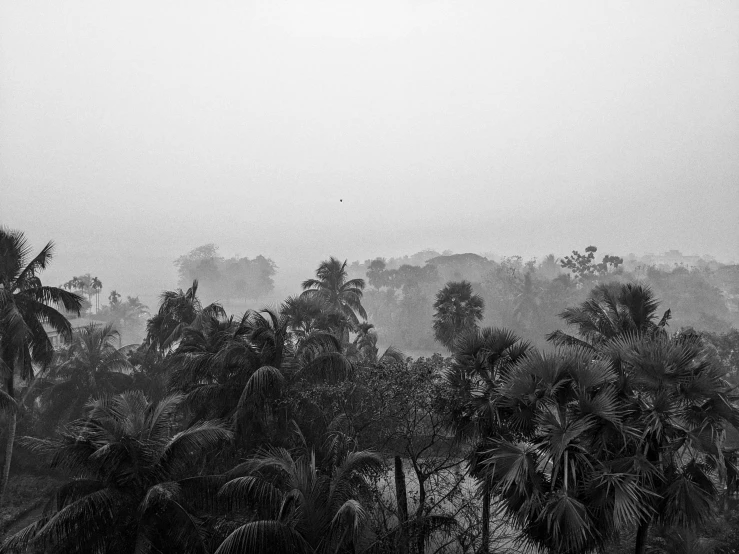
{"x": 343, "y": 277}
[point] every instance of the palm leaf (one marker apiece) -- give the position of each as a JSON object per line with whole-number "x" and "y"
{"x": 264, "y": 536}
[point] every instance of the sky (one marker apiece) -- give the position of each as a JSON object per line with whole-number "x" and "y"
{"x": 132, "y": 132}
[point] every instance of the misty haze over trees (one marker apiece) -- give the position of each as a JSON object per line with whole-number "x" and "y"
{"x": 559, "y": 405}
{"x": 388, "y": 277}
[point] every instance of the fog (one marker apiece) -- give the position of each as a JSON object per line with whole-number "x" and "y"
{"x": 132, "y": 133}
{"x": 389, "y": 276}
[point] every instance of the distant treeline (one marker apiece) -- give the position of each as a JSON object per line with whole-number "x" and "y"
{"x": 527, "y": 296}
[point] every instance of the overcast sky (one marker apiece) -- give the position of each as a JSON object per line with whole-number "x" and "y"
{"x": 132, "y": 132}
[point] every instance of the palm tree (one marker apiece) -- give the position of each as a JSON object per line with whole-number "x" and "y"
{"x": 8, "y": 408}
{"x": 526, "y": 306}
{"x": 25, "y": 306}
{"x": 299, "y": 507}
{"x": 133, "y": 485}
{"x": 91, "y": 366}
{"x": 123, "y": 315}
{"x": 309, "y": 314}
{"x": 364, "y": 348}
{"x": 482, "y": 357}
{"x": 237, "y": 369}
{"x": 457, "y": 310}
{"x": 342, "y": 296}
{"x": 178, "y": 309}
{"x": 680, "y": 406}
{"x": 212, "y": 364}
{"x": 623, "y": 428}
{"x": 563, "y": 474}
{"x": 611, "y": 310}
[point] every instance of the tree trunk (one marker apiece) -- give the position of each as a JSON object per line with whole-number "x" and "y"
{"x": 401, "y": 497}
{"x": 8, "y": 454}
{"x": 641, "y": 538}
{"x": 485, "y": 547}
{"x": 420, "y": 515}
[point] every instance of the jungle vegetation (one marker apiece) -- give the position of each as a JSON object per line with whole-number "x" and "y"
{"x": 570, "y": 408}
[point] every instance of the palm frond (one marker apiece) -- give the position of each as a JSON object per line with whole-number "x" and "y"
{"x": 264, "y": 536}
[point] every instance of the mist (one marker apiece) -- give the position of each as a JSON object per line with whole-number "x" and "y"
{"x": 400, "y": 276}
{"x": 132, "y": 134}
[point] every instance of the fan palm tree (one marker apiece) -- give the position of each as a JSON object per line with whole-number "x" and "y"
{"x": 299, "y": 507}
{"x": 133, "y": 486}
{"x": 560, "y": 474}
{"x": 178, "y": 309}
{"x": 457, "y": 310}
{"x": 342, "y": 296}
{"x": 611, "y": 310}
{"x": 625, "y": 428}
{"x": 482, "y": 357}
{"x": 91, "y": 366}
{"x": 680, "y": 406}
{"x": 309, "y": 314}
{"x": 25, "y": 306}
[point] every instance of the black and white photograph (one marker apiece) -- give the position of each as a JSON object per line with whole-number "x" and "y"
{"x": 369, "y": 277}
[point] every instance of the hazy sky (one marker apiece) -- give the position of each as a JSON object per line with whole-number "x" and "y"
{"x": 132, "y": 132}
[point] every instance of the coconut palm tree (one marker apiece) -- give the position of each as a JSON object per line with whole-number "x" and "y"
{"x": 177, "y": 310}
{"x": 299, "y": 506}
{"x": 482, "y": 357}
{"x": 526, "y": 306}
{"x": 364, "y": 348}
{"x": 237, "y": 368}
{"x": 457, "y": 310}
{"x": 212, "y": 364}
{"x": 8, "y": 408}
{"x": 133, "y": 487}
{"x": 91, "y": 366}
{"x": 25, "y": 306}
{"x": 342, "y": 296}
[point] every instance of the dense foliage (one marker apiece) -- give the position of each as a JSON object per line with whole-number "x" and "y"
{"x": 291, "y": 430}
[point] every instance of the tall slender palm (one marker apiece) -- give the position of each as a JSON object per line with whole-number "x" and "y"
{"x": 178, "y": 309}
{"x": 343, "y": 296}
{"x": 457, "y": 310}
{"x": 25, "y": 305}
{"x": 133, "y": 487}
{"x": 526, "y": 307}
{"x": 299, "y": 506}
{"x": 91, "y": 366}
{"x": 482, "y": 358}
{"x": 9, "y": 409}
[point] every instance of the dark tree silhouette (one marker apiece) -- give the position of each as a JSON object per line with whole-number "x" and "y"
{"x": 457, "y": 310}
{"x": 25, "y": 306}
{"x": 133, "y": 486}
{"x": 178, "y": 310}
{"x": 342, "y": 296}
